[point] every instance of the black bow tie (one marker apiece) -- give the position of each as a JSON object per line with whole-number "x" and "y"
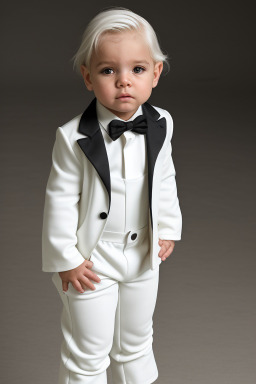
{"x": 117, "y": 127}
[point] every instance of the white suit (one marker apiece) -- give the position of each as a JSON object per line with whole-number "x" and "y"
{"x": 78, "y": 194}
{"x": 114, "y": 322}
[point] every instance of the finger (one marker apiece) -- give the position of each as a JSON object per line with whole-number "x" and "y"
{"x": 90, "y": 274}
{"x": 86, "y": 281}
{"x": 88, "y": 264}
{"x": 79, "y": 287}
{"x": 162, "y": 250}
{"x": 167, "y": 253}
{"x": 64, "y": 286}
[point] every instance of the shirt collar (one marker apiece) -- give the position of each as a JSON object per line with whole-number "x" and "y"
{"x": 105, "y": 115}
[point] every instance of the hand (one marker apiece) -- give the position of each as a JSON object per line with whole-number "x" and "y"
{"x": 167, "y": 246}
{"x": 79, "y": 277}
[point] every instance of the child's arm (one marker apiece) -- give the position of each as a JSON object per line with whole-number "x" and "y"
{"x": 169, "y": 218}
{"x": 60, "y": 220}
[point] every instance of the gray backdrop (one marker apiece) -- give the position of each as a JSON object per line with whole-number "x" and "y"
{"x": 204, "y": 323}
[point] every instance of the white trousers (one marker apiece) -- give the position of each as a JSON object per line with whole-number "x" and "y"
{"x": 113, "y": 324}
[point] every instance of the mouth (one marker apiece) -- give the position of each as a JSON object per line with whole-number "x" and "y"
{"x": 125, "y": 96}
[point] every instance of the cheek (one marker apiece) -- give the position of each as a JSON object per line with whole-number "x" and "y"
{"x": 103, "y": 87}
{"x": 146, "y": 87}
{"x": 147, "y": 82}
{"x": 106, "y": 82}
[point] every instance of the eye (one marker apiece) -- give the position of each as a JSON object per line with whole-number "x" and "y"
{"x": 107, "y": 71}
{"x": 138, "y": 69}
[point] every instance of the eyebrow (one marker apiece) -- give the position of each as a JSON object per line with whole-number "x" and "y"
{"x": 113, "y": 63}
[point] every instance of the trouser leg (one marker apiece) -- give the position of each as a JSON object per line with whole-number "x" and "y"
{"x": 132, "y": 358}
{"x": 114, "y": 322}
{"x": 87, "y": 324}
{"x": 68, "y": 377}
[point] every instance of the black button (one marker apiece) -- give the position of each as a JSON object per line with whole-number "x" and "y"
{"x": 103, "y": 215}
{"x": 133, "y": 236}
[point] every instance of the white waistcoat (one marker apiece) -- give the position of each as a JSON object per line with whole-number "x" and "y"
{"x": 129, "y": 180}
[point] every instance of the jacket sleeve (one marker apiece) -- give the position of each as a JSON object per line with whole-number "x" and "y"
{"x": 169, "y": 214}
{"x": 60, "y": 217}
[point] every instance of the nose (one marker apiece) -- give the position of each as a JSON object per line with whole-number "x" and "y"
{"x": 123, "y": 80}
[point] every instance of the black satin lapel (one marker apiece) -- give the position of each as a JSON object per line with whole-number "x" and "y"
{"x": 155, "y": 137}
{"x": 93, "y": 146}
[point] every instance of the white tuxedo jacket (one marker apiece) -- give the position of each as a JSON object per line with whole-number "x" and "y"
{"x": 78, "y": 191}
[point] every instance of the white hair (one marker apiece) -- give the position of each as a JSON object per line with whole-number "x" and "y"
{"x": 115, "y": 20}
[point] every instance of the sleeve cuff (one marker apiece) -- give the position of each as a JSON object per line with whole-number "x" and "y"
{"x": 175, "y": 237}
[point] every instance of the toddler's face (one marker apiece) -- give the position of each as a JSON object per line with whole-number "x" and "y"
{"x": 122, "y": 72}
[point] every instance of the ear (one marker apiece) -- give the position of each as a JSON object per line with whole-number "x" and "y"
{"x": 157, "y": 72}
{"x": 87, "y": 78}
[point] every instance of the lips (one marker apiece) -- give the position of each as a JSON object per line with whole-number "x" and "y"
{"x": 125, "y": 96}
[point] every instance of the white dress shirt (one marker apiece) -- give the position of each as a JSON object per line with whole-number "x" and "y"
{"x": 128, "y": 173}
